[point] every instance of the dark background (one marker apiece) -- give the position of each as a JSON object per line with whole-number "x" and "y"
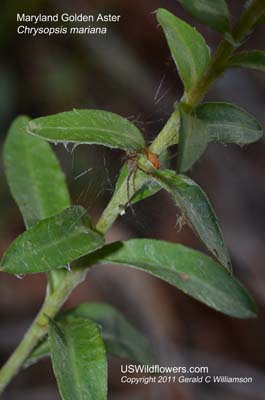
{"x": 121, "y": 72}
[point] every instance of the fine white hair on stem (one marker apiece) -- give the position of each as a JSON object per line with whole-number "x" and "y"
{"x": 83, "y": 173}
{"x": 160, "y": 86}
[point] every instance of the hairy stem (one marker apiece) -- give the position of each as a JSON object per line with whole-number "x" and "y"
{"x": 120, "y": 200}
{"x": 39, "y": 327}
{"x": 169, "y": 134}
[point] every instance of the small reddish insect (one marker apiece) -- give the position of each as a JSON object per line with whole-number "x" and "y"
{"x": 152, "y": 157}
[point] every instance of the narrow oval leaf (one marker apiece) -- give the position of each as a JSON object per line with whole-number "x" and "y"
{"x": 33, "y": 174}
{"x": 191, "y": 271}
{"x": 229, "y": 123}
{"x": 213, "y": 13}
{"x": 52, "y": 243}
{"x": 90, "y": 127}
{"x": 120, "y": 337}
{"x": 249, "y": 59}
{"x": 196, "y": 210}
{"x": 188, "y": 48}
{"x": 42, "y": 350}
{"x": 193, "y": 140}
{"x": 147, "y": 190}
{"x": 35, "y": 179}
{"x": 78, "y": 359}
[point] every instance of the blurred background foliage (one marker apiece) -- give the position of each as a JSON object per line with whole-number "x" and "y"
{"x": 129, "y": 71}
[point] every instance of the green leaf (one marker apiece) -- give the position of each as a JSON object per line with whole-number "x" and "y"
{"x": 78, "y": 359}
{"x": 35, "y": 178}
{"x": 33, "y": 174}
{"x": 193, "y": 141}
{"x": 165, "y": 158}
{"x": 147, "y": 190}
{"x": 90, "y": 127}
{"x": 254, "y": 59}
{"x": 191, "y": 271}
{"x": 120, "y": 337}
{"x": 52, "y": 243}
{"x": 196, "y": 210}
{"x": 189, "y": 49}
{"x": 229, "y": 123}
{"x": 213, "y": 13}
{"x": 42, "y": 350}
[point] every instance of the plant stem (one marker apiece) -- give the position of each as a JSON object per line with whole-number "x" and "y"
{"x": 120, "y": 200}
{"x": 121, "y": 197}
{"x": 39, "y": 327}
{"x": 169, "y": 135}
{"x": 224, "y": 51}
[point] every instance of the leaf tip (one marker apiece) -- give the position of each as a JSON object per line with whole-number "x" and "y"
{"x": 161, "y": 13}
